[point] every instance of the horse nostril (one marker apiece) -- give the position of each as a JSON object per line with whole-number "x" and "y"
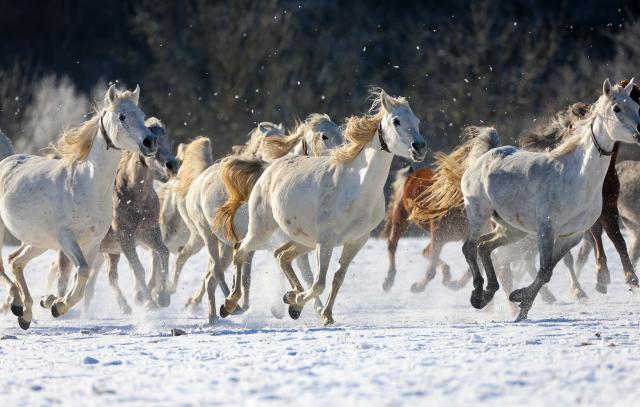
{"x": 417, "y": 146}
{"x": 149, "y": 142}
{"x": 172, "y": 166}
{"x": 638, "y": 128}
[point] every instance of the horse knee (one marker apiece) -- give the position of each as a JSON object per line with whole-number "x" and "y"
{"x": 469, "y": 249}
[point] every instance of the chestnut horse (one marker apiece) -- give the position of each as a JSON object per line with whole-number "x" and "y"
{"x": 409, "y": 184}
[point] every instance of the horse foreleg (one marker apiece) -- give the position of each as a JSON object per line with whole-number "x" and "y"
{"x": 399, "y": 223}
{"x": 157, "y": 283}
{"x": 307, "y": 275}
{"x": 323, "y": 256}
{"x": 610, "y": 222}
{"x": 193, "y": 245}
{"x": 284, "y": 256}
{"x": 583, "y": 252}
{"x": 603, "y": 278}
{"x": 72, "y": 250}
{"x": 112, "y": 273}
{"x": 349, "y": 251}
{"x": 128, "y": 245}
{"x": 246, "y": 280}
{"x": 91, "y": 282}
{"x": 574, "y": 284}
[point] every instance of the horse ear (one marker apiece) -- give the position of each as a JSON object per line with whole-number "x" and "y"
{"x": 629, "y": 87}
{"x": 606, "y": 87}
{"x": 111, "y": 96}
{"x": 264, "y": 127}
{"x": 180, "y": 151}
{"x": 135, "y": 95}
{"x": 385, "y": 100}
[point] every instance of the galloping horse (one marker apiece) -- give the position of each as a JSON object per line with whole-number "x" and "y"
{"x": 135, "y": 221}
{"x": 444, "y": 227}
{"x": 314, "y": 136}
{"x": 554, "y": 195}
{"x": 66, "y": 204}
{"x": 324, "y": 202}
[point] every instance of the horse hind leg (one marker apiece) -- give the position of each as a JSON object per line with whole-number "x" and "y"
{"x": 18, "y": 263}
{"x": 112, "y": 274}
{"x": 500, "y": 236}
{"x": 284, "y": 256}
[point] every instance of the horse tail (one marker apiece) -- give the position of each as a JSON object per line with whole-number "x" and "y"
{"x": 396, "y": 197}
{"x": 239, "y": 175}
{"x": 445, "y": 193}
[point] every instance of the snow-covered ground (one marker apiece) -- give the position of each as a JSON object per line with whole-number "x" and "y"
{"x": 385, "y": 349}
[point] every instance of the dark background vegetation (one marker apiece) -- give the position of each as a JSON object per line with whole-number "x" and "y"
{"x": 216, "y": 68}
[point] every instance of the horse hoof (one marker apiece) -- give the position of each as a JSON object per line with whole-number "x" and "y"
{"x": 212, "y": 320}
{"x": 294, "y": 313}
{"x": 417, "y": 288}
{"x": 164, "y": 300}
{"x": 387, "y": 284}
{"x": 601, "y": 288}
{"x": 54, "y": 311}
{"x": 17, "y": 310}
{"x": 632, "y": 280}
{"x": 579, "y": 294}
{"x": 477, "y": 301}
{"x": 238, "y": 311}
{"x": 517, "y": 295}
{"x": 126, "y": 310}
{"x": 24, "y": 324}
{"x": 223, "y": 312}
{"x": 547, "y": 296}
{"x": 328, "y": 321}
{"x": 277, "y": 311}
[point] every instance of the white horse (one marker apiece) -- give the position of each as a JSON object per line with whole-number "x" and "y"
{"x": 314, "y": 136}
{"x": 555, "y": 196}
{"x": 66, "y": 204}
{"x": 324, "y": 202}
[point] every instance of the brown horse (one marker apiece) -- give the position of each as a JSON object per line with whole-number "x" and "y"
{"x": 449, "y": 226}
{"x": 452, "y": 227}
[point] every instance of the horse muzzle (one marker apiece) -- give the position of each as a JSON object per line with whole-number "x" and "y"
{"x": 418, "y": 151}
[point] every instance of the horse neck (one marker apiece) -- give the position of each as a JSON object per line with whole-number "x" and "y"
{"x": 100, "y": 166}
{"x": 372, "y": 165}
{"x": 139, "y": 174}
{"x": 592, "y": 166}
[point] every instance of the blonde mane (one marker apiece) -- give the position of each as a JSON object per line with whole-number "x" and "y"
{"x": 359, "y": 130}
{"x": 274, "y": 147}
{"x": 196, "y": 157}
{"x": 75, "y": 143}
{"x": 445, "y": 193}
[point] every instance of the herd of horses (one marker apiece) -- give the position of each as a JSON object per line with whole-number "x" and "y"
{"x": 113, "y": 184}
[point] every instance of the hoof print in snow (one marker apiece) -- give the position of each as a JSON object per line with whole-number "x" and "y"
{"x": 3, "y": 337}
{"x": 177, "y": 332}
{"x": 88, "y": 360}
{"x": 85, "y": 332}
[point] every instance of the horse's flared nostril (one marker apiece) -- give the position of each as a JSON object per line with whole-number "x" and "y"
{"x": 418, "y": 146}
{"x": 149, "y": 142}
{"x": 638, "y": 128}
{"x": 172, "y": 166}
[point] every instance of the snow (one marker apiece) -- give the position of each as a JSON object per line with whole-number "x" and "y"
{"x": 397, "y": 348}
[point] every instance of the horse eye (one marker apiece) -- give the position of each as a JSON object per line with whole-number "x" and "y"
{"x": 324, "y": 137}
{"x": 396, "y": 122}
{"x": 616, "y": 108}
{"x": 121, "y": 117}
